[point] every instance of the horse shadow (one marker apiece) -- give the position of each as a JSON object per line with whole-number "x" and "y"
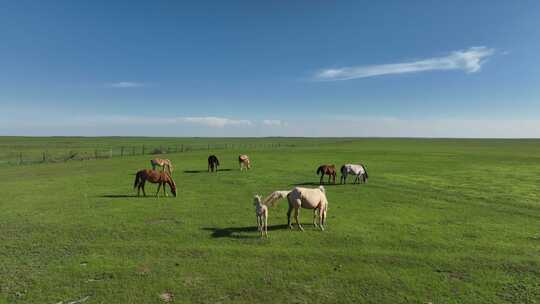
{"x": 204, "y": 171}
{"x": 231, "y": 232}
{"x": 133, "y": 196}
{"x": 118, "y": 195}
{"x": 314, "y": 184}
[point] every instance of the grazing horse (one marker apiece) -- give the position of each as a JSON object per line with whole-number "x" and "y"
{"x": 359, "y": 171}
{"x": 302, "y": 198}
{"x": 156, "y": 177}
{"x": 213, "y": 163}
{"x": 261, "y": 211}
{"x": 244, "y": 162}
{"x": 329, "y": 170}
{"x": 163, "y": 163}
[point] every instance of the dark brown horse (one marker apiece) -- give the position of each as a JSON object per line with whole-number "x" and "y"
{"x": 329, "y": 170}
{"x": 156, "y": 177}
{"x": 213, "y": 163}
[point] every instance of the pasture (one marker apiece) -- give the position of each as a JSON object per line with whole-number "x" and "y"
{"x": 440, "y": 221}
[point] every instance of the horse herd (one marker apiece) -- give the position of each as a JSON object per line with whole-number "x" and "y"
{"x": 298, "y": 197}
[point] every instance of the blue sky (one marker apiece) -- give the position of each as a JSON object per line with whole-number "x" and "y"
{"x": 263, "y": 68}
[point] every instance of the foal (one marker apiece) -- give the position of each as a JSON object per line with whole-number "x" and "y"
{"x": 156, "y": 177}
{"x": 261, "y": 211}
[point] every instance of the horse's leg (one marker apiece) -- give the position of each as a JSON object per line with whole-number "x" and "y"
{"x": 164, "y": 190}
{"x": 296, "y": 215}
{"x": 266, "y": 224}
{"x": 322, "y": 209}
{"x": 314, "y": 217}
{"x": 143, "y": 191}
{"x": 329, "y": 177}
{"x": 323, "y": 219}
{"x": 289, "y": 216}
{"x": 158, "y": 188}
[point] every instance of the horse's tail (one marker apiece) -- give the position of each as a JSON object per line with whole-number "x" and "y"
{"x": 319, "y": 170}
{"x": 365, "y": 170}
{"x": 275, "y": 197}
{"x": 137, "y": 180}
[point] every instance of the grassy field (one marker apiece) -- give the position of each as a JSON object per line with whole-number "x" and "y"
{"x": 440, "y": 221}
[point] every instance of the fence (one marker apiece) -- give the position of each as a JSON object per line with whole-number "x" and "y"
{"x": 35, "y": 157}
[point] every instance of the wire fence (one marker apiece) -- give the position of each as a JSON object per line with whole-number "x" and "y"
{"x": 80, "y": 154}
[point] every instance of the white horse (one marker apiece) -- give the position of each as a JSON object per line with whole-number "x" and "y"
{"x": 358, "y": 170}
{"x": 244, "y": 162}
{"x": 163, "y": 163}
{"x": 303, "y": 198}
{"x": 261, "y": 211}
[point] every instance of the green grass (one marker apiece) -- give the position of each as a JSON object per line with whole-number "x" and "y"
{"x": 441, "y": 221}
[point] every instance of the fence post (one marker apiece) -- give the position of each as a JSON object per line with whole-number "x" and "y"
{"x": 122, "y": 151}
{"x": 44, "y": 157}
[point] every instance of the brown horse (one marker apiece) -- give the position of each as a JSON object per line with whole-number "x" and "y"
{"x": 213, "y": 163}
{"x": 156, "y": 177}
{"x": 329, "y": 170}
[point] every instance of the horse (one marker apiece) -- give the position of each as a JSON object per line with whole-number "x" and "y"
{"x": 329, "y": 170}
{"x": 156, "y": 177}
{"x": 302, "y": 198}
{"x": 163, "y": 163}
{"x": 261, "y": 212}
{"x": 244, "y": 162}
{"x": 213, "y": 163}
{"x": 359, "y": 171}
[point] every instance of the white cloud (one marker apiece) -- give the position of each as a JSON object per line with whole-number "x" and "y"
{"x": 211, "y": 121}
{"x": 470, "y": 61}
{"x": 274, "y": 123}
{"x": 125, "y": 84}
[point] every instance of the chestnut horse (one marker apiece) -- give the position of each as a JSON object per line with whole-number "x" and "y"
{"x": 213, "y": 163}
{"x": 156, "y": 177}
{"x": 329, "y": 170}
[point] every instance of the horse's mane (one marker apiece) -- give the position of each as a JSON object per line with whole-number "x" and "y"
{"x": 274, "y": 197}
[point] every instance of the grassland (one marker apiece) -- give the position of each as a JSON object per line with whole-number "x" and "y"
{"x": 440, "y": 221}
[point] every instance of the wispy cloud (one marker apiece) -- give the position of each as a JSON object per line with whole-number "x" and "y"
{"x": 274, "y": 123}
{"x": 218, "y": 122}
{"x": 125, "y": 84}
{"x": 469, "y": 60}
